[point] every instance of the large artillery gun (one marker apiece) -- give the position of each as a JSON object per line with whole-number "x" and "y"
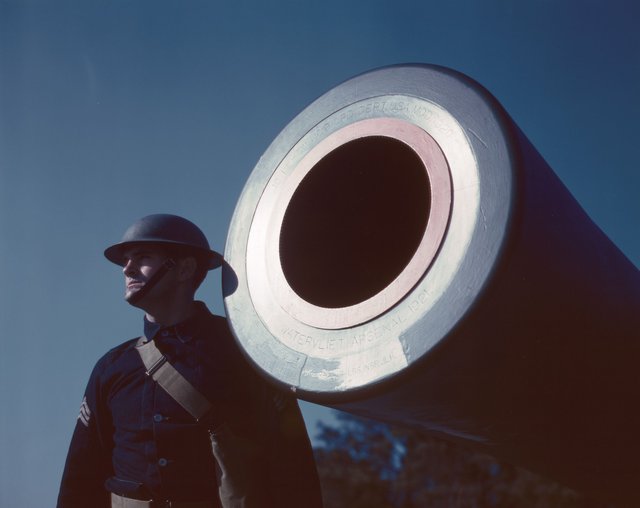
{"x": 401, "y": 251}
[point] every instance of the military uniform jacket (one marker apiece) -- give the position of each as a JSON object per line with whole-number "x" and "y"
{"x": 133, "y": 439}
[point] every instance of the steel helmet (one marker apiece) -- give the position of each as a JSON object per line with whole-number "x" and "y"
{"x": 165, "y": 229}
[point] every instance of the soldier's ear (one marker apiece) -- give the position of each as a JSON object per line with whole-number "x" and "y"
{"x": 187, "y": 268}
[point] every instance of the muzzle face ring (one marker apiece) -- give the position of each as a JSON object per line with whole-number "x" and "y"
{"x": 323, "y": 336}
{"x": 305, "y": 300}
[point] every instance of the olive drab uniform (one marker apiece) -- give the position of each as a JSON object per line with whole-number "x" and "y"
{"x": 137, "y": 445}
{"x": 134, "y": 441}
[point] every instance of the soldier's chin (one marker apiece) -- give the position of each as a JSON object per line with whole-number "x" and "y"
{"x": 134, "y": 295}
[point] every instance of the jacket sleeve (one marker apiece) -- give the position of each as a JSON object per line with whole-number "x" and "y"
{"x": 88, "y": 462}
{"x": 283, "y": 466}
{"x": 293, "y": 476}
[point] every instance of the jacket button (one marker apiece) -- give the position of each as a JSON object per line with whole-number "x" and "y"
{"x": 163, "y": 462}
{"x": 158, "y": 418}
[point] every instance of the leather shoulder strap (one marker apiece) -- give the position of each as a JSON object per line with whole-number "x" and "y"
{"x": 171, "y": 381}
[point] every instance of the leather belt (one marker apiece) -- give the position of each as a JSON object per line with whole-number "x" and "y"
{"x": 125, "y": 502}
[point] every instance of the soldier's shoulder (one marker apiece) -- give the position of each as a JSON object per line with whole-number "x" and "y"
{"x": 117, "y": 352}
{"x": 218, "y": 325}
{"x": 216, "y": 318}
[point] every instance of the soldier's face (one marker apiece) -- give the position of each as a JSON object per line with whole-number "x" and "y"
{"x": 140, "y": 265}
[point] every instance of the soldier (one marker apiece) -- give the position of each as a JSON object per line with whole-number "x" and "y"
{"x": 177, "y": 417}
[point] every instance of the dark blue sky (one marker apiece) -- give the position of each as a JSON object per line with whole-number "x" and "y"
{"x": 110, "y": 110}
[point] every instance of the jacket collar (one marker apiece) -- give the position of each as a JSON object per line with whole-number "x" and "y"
{"x": 184, "y": 330}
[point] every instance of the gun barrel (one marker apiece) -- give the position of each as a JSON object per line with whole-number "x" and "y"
{"x": 401, "y": 251}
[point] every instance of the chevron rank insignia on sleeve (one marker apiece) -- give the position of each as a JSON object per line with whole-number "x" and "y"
{"x": 85, "y": 413}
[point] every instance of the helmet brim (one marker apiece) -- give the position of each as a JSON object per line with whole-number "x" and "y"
{"x": 115, "y": 253}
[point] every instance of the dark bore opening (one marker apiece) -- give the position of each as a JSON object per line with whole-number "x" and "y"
{"x": 354, "y": 222}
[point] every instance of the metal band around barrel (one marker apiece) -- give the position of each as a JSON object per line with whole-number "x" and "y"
{"x": 171, "y": 381}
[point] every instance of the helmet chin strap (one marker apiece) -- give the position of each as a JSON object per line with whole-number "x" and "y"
{"x": 148, "y": 286}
